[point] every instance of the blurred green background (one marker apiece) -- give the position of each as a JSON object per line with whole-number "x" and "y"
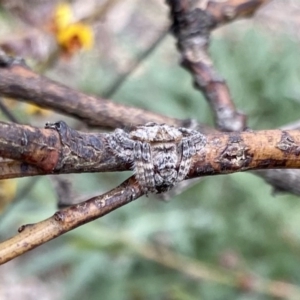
{"x": 227, "y": 237}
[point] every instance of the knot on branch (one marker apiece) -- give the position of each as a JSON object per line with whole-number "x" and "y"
{"x": 190, "y": 23}
{"x": 287, "y": 144}
{"x": 79, "y": 149}
{"x": 236, "y": 154}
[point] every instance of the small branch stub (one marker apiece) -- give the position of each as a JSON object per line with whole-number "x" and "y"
{"x": 160, "y": 154}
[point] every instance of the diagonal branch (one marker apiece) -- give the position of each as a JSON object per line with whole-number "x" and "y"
{"x": 32, "y": 235}
{"x": 18, "y": 81}
{"x": 192, "y": 26}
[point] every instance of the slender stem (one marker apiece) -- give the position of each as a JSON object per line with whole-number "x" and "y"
{"x": 117, "y": 84}
{"x": 32, "y": 235}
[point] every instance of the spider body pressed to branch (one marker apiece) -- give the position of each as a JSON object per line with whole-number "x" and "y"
{"x": 160, "y": 154}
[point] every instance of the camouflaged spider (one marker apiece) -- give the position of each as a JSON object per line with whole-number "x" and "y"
{"x": 155, "y": 151}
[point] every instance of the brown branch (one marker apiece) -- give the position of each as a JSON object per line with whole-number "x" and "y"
{"x": 31, "y": 145}
{"x": 18, "y": 81}
{"x": 207, "y": 79}
{"x": 240, "y": 151}
{"x": 32, "y": 235}
{"x": 192, "y": 26}
{"x": 65, "y": 150}
{"x": 284, "y": 180}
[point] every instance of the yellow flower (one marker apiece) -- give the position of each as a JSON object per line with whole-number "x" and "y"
{"x": 74, "y": 37}
{"x": 69, "y": 35}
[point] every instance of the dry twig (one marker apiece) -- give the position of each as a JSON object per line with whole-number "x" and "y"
{"x": 18, "y": 81}
{"x": 192, "y": 25}
{"x": 33, "y": 235}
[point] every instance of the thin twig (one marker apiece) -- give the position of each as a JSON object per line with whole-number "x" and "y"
{"x": 123, "y": 77}
{"x": 32, "y": 235}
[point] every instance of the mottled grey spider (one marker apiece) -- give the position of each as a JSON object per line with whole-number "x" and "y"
{"x": 155, "y": 152}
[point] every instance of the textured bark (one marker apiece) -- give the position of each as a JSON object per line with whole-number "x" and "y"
{"x": 30, "y": 145}
{"x": 65, "y": 150}
{"x": 230, "y": 152}
{"x": 69, "y": 151}
{"x": 285, "y": 180}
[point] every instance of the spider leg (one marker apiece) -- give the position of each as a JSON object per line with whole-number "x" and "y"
{"x": 120, "y": 143}
{"x": 143, "y": 166}
{"x": 190, "y": 144}
{"x": 196, "y": 139}
{"x": 148, "y": 167}
{"x": 158, "y": 179}
{"x": 185, "y": 163}
{"x": 123, "y": 138}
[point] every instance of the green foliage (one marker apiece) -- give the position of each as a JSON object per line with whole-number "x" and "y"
{"x": 263, "y": 73}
